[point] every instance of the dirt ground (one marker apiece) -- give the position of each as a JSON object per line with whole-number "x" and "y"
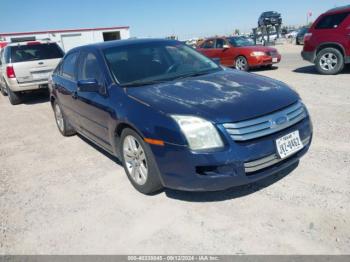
{"x": 64, "y": 196}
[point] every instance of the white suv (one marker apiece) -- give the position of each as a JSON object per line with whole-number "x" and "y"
{"x": 26, "y": 66}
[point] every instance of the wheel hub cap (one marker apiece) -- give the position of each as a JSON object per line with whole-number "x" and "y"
{"x": 328, "y": 61}
{"x": 59, "y": 117}
{"x": 135, "y": 160}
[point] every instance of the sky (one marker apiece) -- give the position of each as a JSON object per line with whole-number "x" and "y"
{"x": 155, "y": 18}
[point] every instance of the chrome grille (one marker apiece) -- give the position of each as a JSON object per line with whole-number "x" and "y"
{"x": 268, "y": 161}
{"x": 266, "y": 125}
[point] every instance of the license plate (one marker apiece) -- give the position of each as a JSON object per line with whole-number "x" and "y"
{"x": 41, "y": 75}
{"x": 289, "y": 144}
{"x": 274, "y": 60}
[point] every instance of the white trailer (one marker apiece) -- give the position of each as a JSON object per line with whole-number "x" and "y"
{"x": 68, "y": 39}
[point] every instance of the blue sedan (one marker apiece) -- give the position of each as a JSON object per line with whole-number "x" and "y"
{"x": 175, "y": 118}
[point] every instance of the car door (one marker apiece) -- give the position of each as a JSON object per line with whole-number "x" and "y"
{"x": 94, "y": 107}
{"x": 208, "y": 48}
{"x": 224, "y": 52}
{"x": 347, "y": 33}
{"x": 65, "y": 86}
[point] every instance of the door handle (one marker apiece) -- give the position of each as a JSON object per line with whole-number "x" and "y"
{"x": 75, "y": 95}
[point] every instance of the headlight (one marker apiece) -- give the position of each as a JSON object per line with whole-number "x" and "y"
{"x": 257, "y": 53}
{"x": 200, "y": 133}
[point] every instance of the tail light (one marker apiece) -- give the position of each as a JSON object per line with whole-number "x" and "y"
{"x": 10, "y": 72}
{"x": 307, "y": 36}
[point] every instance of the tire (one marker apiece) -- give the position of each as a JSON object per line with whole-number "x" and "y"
{"x": 139, "y": 163}
{"x": 14, "y": 97}
{"x": 61, "y": 121}
{"x": 329, "y": 61}
{"x": 241, "y": 63}
{"x": 3, "y": 91}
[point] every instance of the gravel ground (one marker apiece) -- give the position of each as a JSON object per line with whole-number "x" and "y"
{"x": 63, "y": 196}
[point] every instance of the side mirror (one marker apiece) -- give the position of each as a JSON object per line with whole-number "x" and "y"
{"x": 89, "y": 85}
{"x": 225, "y": 46}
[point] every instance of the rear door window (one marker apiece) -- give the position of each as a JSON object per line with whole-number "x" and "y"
{"x": 32, "y": 52}
{"x": 69, "y": 65}
{"x": 331, "y": 21}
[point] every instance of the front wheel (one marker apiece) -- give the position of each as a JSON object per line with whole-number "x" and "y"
{"x": 241, "y": 63}
{"x": 329, "y": 61}
{"x": 139, "y": 163}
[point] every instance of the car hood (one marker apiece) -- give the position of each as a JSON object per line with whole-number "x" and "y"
{"x": 225, "y": 96}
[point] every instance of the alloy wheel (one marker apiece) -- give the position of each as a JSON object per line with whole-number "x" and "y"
{"x": 59, "y": 117}
{"x": 328, "y": 61}
{"x": 135, "y": 160}
{"x": 241, "y": 63}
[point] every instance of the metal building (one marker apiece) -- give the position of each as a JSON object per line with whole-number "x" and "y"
{"x": 70, "y": 38}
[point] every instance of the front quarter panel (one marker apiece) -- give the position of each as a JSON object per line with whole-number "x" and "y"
{"x": 149, "y": 122}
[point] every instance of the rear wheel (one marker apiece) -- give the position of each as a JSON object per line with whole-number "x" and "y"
{"x": 139, "y": 163}
{"x": 63, "y": 125}
{"x": 329, "y": 61}
{"x": 3, "y": 91}
{"x": 14, "y": 97}
{"x": 241, "y": 63}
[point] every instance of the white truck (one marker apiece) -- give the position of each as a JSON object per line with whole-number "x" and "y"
{"x": 26, "y": 66}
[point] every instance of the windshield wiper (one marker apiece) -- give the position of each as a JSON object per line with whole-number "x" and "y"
{"x": 142, "y": 83}
{"x": 196, "y": 74}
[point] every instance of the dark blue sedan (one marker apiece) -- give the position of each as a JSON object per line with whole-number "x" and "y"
{"x": 175, "y": 118}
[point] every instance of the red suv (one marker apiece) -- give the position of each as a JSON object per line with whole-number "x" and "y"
{"x": 327, "y": 44}
{"x": 239, "y": 52}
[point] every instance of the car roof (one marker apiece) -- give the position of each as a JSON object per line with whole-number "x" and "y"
{"x": 28, "y": 42}
{"x": 340, "y": 9}
{"x": 120, "y": 43}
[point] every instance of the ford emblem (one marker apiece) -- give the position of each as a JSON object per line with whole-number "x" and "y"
{"x": 281, "y": 120}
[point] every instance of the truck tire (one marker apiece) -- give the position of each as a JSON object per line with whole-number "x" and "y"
{"x": 14, "y": 97}
{"x": 329, "y": 61}
{"x": 3, "y": 91}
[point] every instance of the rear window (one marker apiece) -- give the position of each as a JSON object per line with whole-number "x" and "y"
{"x": 331, "y": 21}
{"x": 33, "y": 52}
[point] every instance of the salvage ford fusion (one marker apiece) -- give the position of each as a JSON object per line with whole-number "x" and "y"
{"x": 175, "y": 118}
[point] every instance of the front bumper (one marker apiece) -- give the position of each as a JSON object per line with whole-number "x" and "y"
{"x": 183, "y": 169}
{"x": 257, "y": 61}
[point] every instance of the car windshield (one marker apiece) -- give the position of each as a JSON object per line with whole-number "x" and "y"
{"x": 147, "y": 63}
{"x": 241, "y": 41}
{"x": 30, "y": 52}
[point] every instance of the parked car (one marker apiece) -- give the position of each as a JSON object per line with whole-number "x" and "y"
{"x": 175, "y": 118}
{"x": 26, "y": 66}
{"x": 270, "y": 18}
{"x": 292, "y": 34}
{"x": 327, "y": 44}
{"x": 239, "y": 52}
{"x": 299, "y": 40}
